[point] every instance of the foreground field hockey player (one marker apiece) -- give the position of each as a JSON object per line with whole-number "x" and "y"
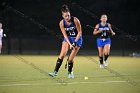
{"x": 71, "y": 29}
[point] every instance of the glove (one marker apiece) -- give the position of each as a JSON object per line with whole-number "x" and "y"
{"x": 74, "y": 44}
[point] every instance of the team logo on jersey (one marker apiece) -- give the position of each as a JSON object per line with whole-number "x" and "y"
{"x": 70, "y": 28}
{"x": 105, "y": 28}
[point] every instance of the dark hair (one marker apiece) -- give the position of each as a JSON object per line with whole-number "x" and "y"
{"x": 64, "y": 8}
{"x": 103, "y": 15}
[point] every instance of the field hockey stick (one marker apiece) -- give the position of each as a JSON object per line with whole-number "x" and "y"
{"x": 68, "y": 59}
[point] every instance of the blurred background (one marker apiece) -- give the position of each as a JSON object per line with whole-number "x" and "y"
{"x": 32, "y": 26}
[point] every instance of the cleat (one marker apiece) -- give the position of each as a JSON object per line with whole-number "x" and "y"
{"x": 53, "y": 74}
{"x": 70, "y": 75}
{"x": 102, "y": 66}
{"x": 106, "y": 63}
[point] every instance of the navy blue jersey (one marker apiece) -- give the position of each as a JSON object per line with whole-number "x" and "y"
{"x": 70, "y": 29}
{"x": 105, "y": 30}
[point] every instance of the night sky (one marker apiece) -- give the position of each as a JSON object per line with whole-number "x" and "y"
{"x": 122, "y": 14}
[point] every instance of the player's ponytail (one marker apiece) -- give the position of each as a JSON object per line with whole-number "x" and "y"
{"x": 64, "y": 8}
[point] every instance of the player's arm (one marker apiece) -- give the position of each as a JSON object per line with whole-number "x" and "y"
{"x": 64, "y": 33}
{"x": 78, "y": 27}
{"x": 96, "y": 30}
{"x": 3, "y": 34}
{"x": 112, "y": 32}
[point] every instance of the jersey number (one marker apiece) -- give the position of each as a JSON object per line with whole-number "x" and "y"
{"x": 104, "y": 33}
{"x": 72, "y": 33}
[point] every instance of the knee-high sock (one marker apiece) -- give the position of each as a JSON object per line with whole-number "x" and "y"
{"x": 58, "y": 64}
{"x": 106, "y": 57}
{"x": 70, "y": 66}
{"x": 101, "y": 60}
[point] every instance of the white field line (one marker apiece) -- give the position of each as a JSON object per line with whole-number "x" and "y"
{"x": 94, "y": 82}
{"x": 7, "y": 85}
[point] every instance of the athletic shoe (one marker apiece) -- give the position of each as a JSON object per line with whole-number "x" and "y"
{"x": 70, "y": 75}
{"x": 102, "y": 66}
{"x": 106, "y": 63}
{"x": 53, "y": 74}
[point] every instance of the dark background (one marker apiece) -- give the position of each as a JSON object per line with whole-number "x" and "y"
{"x": 32, "y": 25}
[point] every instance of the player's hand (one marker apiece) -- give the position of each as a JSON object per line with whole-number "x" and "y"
{"x": 113, "y": 33}
{"x": 71, "y": 47}
{"x": 100, "y": 31}
{"x": 74, "y": 44}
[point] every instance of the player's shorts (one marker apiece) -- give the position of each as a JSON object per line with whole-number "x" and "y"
{"x": 72, "y": 39}
{"x": 101, "y": 42}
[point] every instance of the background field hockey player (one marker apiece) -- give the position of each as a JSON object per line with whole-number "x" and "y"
{"x": 1, "y": 35}
{"x": 103, "y": 31}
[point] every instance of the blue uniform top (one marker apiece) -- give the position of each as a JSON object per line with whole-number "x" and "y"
{"x": 105, "y": 30}
{"x": 70, "y": 29}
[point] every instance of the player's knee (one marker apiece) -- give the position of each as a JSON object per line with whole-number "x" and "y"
{"x": 62, "y": 55}
{"x": 106, "y": 53}
{"x": 101, "y": 55}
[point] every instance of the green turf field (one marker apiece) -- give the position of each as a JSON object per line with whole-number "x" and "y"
{"x": 28, "y": 74}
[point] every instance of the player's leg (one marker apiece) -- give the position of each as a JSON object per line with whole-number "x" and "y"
{"x": 100, "y": 45}
{"x": 100, "y": 50}
{"x": 0, "y": 46}
{"x": 71, "y": 62}
{"x": 106, "y": 53}
{"x": 63, "y": 52}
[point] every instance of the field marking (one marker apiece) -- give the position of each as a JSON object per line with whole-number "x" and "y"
{"x": 7, "y": 85}
{"x": 69, "y": 83}
{"x": 94, "y": 82}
